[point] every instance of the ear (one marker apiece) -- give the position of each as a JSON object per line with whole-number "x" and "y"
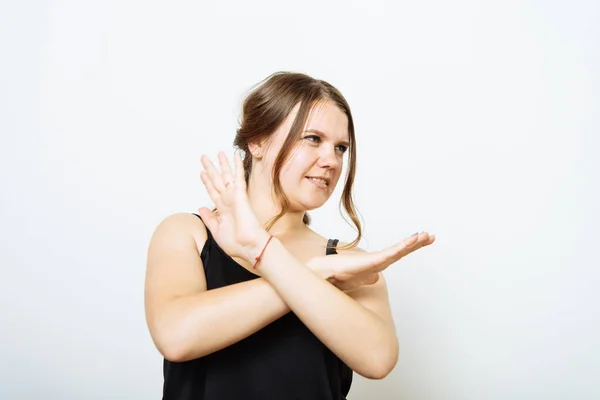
{"x": 255, "y": 149}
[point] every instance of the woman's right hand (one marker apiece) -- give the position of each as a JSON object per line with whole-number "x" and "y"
{"x": 351, "y": 269}
{"x": 236, "y": 229}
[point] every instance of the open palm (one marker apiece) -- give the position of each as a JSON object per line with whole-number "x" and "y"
{"x": 349, "y": 270}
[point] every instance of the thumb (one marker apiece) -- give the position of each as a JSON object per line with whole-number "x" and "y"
{"x": 210, "y": 219}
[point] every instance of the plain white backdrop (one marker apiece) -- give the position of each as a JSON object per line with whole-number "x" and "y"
{"x": 476, "y": 121}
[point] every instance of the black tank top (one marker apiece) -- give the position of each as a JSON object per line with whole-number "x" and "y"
{"x": 282, "y": 361}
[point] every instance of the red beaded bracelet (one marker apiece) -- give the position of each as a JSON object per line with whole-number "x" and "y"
{"x": 261, "y": 253}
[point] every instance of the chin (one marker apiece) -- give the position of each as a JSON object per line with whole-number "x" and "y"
{"x": 307, "y": 200}
{"x": 311, "y": 204}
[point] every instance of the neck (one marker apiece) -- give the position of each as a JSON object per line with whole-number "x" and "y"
{"x": 265, "y": 205}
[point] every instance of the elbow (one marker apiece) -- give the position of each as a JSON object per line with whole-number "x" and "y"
{"x": 171, "y": 347}
{"x": 180, "y": 349}
{"x": 173, "y": 353}
{"x": 381, "y": 362}
{"x": 379, "y": 370}
{"x": 171, "y": 334}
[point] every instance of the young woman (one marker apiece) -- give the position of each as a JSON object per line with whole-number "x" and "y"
{"x": 246, "y": 301}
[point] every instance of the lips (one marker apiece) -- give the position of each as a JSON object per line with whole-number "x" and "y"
{"x": 319, "y": 184}
{"x": 319, "y": 179}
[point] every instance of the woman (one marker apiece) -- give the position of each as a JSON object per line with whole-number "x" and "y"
{"x": 245, "y": 301}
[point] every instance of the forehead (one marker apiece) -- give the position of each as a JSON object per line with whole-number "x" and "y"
{"x": 328, "y": 118}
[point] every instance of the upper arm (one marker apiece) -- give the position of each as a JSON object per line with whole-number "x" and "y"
{"x": 173, "y": 267}
{"x": 374, "y": 297}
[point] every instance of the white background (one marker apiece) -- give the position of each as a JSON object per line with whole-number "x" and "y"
{"x": 476, "y": 121}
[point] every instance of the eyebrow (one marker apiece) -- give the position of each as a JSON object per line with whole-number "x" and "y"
{"x": 344, "y": 142}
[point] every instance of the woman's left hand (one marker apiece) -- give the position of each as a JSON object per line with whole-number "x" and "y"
{"x": 326, "y": 266}
{"x": 352, "y": 269}
{"x": 236, "y": 227}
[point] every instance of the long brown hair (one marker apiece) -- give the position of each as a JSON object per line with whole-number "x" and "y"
{"x": 266, "y": 107}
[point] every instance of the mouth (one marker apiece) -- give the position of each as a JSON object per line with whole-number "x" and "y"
{"x": 320, "y": 182}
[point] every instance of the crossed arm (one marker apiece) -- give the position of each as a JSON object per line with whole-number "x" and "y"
{"x": 183, "y": 317}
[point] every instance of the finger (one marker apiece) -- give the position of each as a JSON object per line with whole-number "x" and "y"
{"x": 430, "y": 240}
{"x": 240, "y": 173}
{"x": 411, "y": 240}
{"x": 423, "y": 239}
{"x": 212, "y": 192}
{"x": 213, "y": 174}
{"x": 225, "y": 169}
{"x": 405, "y": 244}
{"x": 405, "y": 247}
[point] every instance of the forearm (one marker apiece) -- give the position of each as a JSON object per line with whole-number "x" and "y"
{"x": 355, "y": 334}
{"x": 194, "y": 326}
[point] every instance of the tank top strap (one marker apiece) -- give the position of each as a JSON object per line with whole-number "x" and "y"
{"x": 331, "y": 243}
{"x": 209, "y": 239}
{"x": 207, "y": 230}
{"x": 331, "y": 246}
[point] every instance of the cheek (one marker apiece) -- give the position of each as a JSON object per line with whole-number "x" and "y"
{"x": 298, "y": 165}
{"x": 290, "y": 175}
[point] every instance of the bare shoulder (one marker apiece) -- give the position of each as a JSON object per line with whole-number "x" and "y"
{"x": 344, "y": 244}
{"x": 173, "y": 266}
{"x": 179, "y": 227}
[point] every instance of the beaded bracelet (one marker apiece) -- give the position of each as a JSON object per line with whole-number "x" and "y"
{"x": 261, "y": 253}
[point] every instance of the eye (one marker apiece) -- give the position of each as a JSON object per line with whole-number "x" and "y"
{"x": 315, "y": 137}
{"x": 342, "y": 148}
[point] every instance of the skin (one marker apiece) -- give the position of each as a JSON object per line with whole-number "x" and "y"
{"x": 352, "y": 318}
{"x": 317, "y": 154}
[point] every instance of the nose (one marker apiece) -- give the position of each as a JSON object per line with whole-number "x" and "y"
{"x": 328, "y": 158}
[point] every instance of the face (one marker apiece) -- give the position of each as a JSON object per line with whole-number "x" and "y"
{"x": 312, "y": 170}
